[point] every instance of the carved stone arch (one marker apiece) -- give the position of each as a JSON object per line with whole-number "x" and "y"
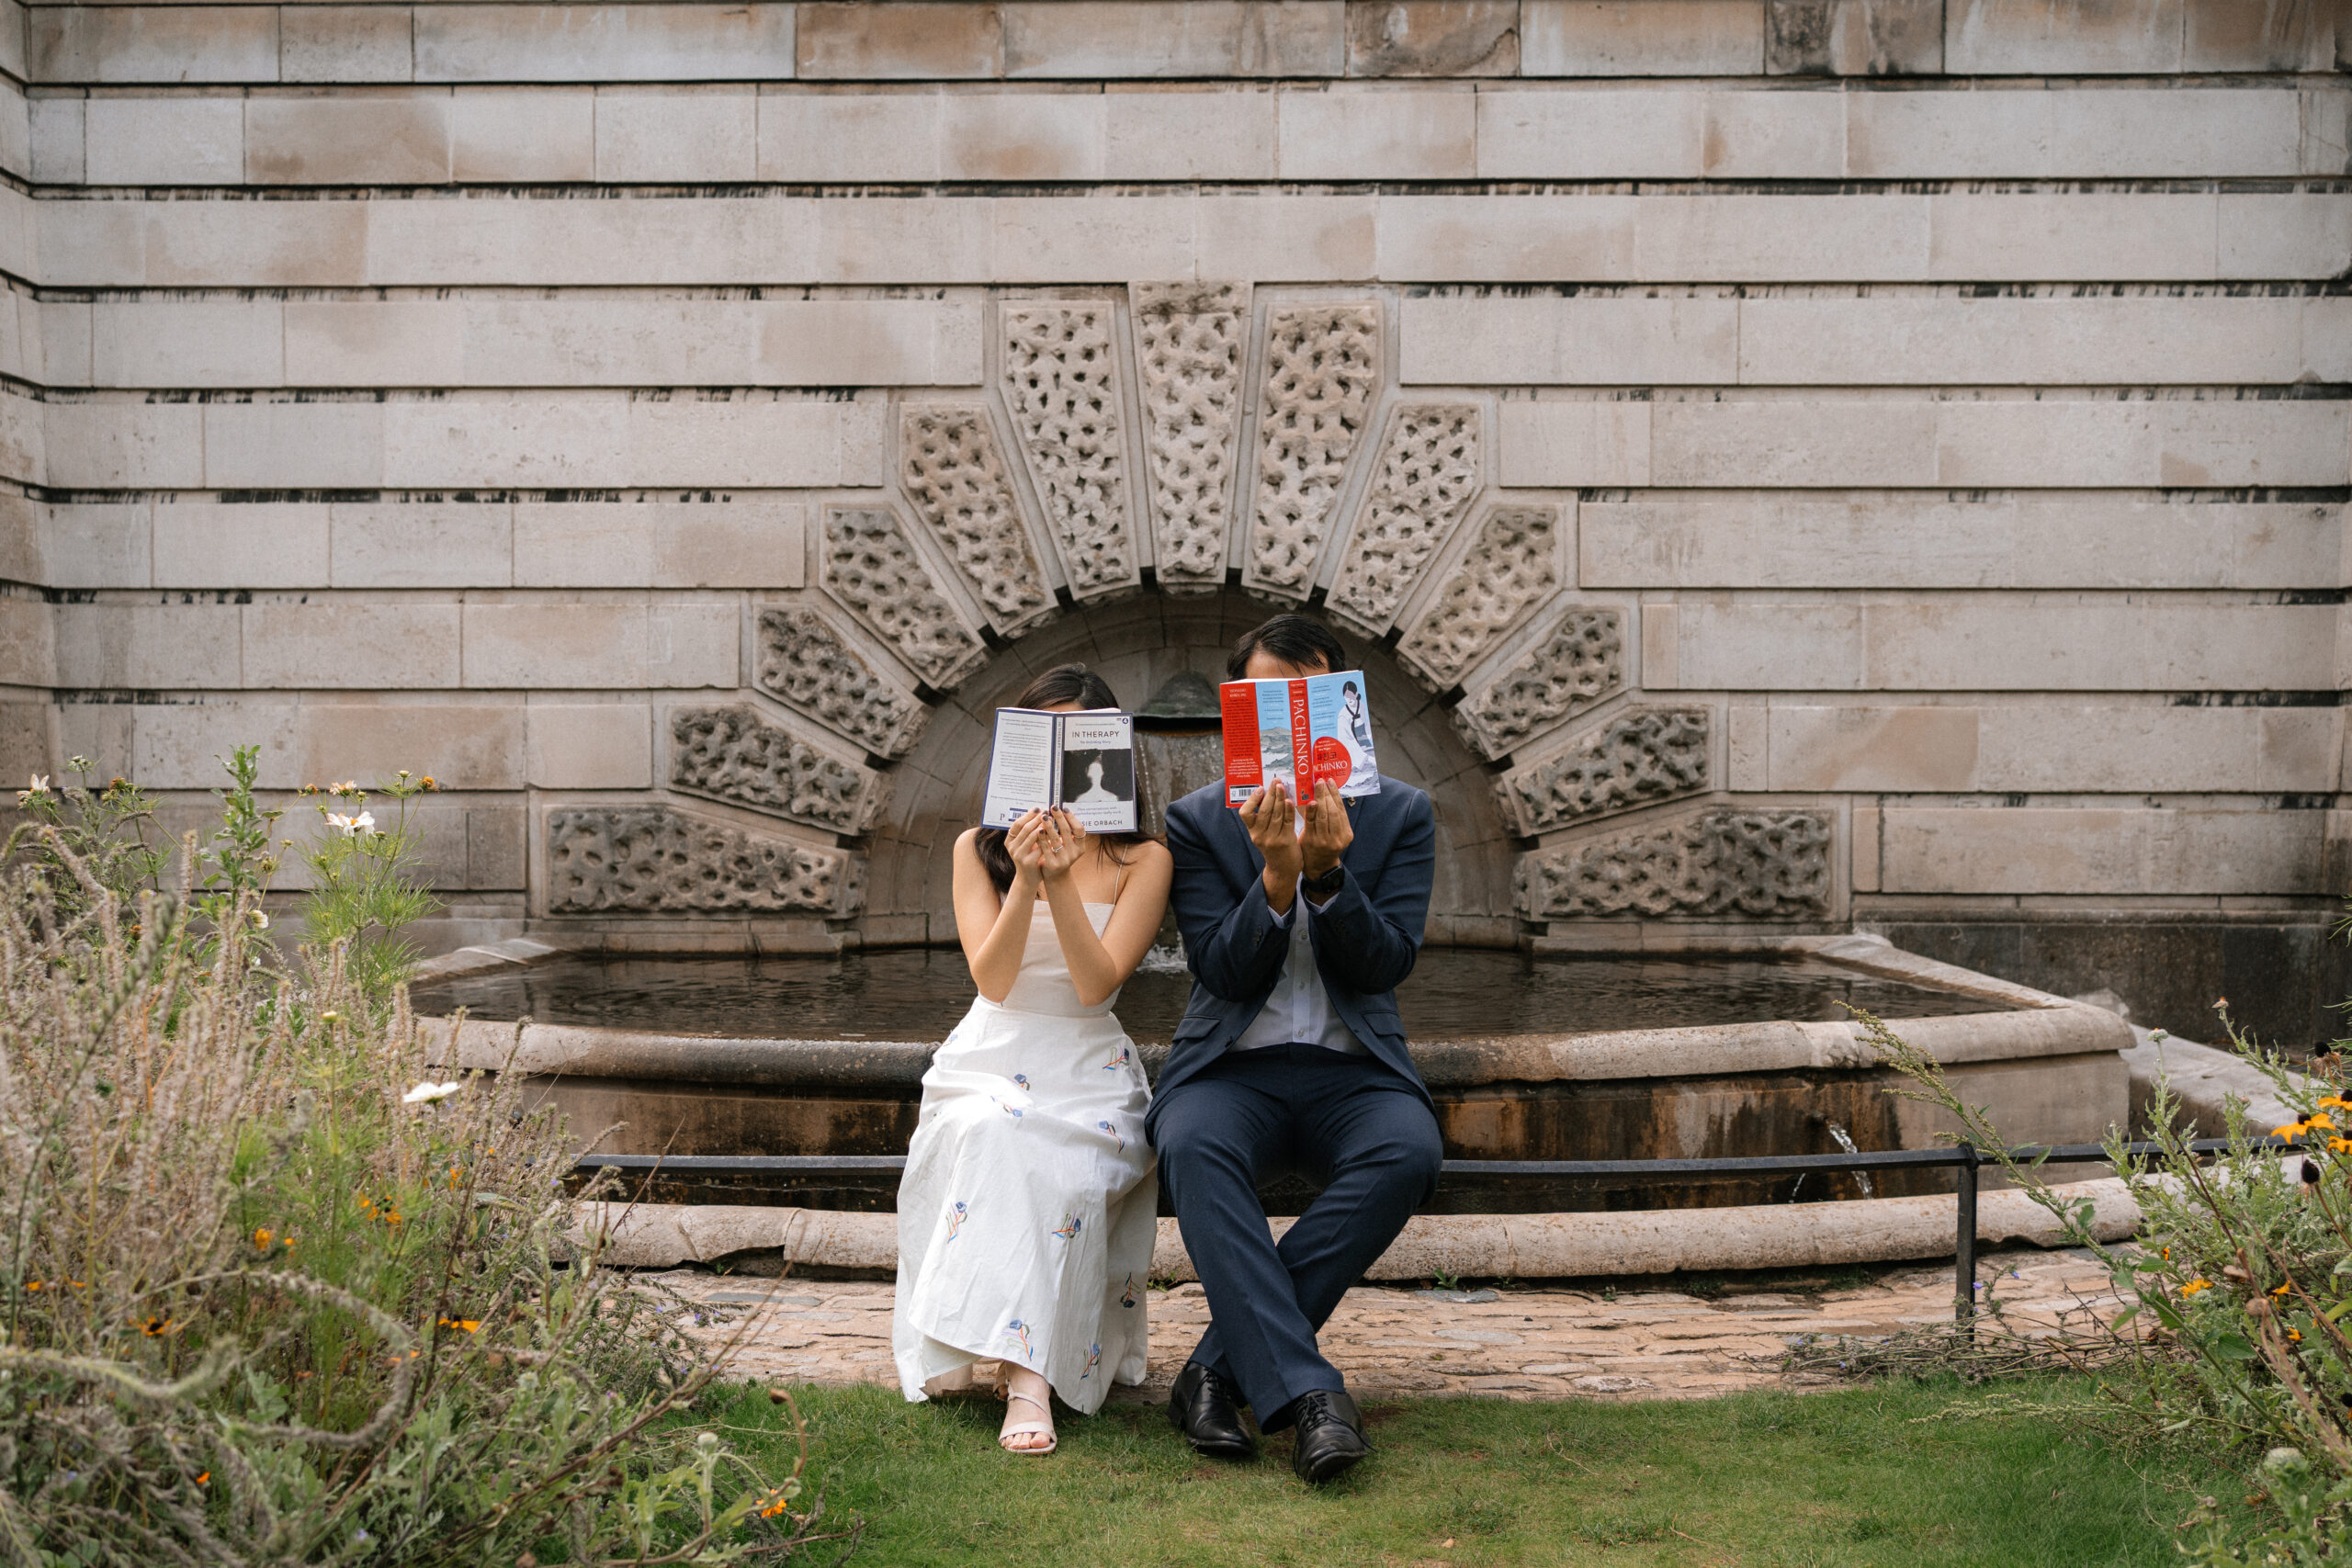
{"x": 1058, "y": 372}
{"x": 1321, "y": 368}
{"x": 1427, "y": 470}
{"x": 1189, "y": 341}
{"x": 953, "y": 473}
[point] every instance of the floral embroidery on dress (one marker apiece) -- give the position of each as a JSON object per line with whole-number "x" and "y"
{"x": 1119, "y": 1058}
{"x": 1023, "y": 1079}
{"x": 1127, "y": 1296}
{"x": 1015, "y": 1111}
{"x": 1069, "y": 1228}
{"x": 1114, "y": 1132}
{"x": 1018, "y": 1332}
{"x": 1093, "y": 1359}
{"x": 955, "y": 1220}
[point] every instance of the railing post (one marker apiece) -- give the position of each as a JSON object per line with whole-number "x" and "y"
{"x": 1964, "y": 1263}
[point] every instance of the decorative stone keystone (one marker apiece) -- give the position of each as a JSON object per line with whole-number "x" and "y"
{"x": 1428, "y": 475}
{"x": 735, "y": 755}
{"x": 1188, "y": 356}
{"x": 1060, "y": 378}
{"x": 1769, "y": 864}
{"x": 653, "y": 860}
{"x": 949, "y": 466}
{"x": 1641, "y": 756}
{"x": 1322, "y": 368}
{"x": 1513, "y": 565}
{"x": 805, "y": 663}
{"x": 872, "y": 570}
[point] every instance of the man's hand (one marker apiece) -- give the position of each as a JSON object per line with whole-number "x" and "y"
{"x": 1268, "y": 816}
{"x": 1328, "y": 831}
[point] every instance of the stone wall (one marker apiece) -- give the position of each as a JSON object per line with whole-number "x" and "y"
{"x": 1798, "y": 461}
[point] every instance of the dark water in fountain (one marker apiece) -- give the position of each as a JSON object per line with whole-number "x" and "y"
{"x": 919, "y": 993}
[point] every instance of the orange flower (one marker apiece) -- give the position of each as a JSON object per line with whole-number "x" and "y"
{"x": 204, "y": 1477}
{"x": 155, "y": 1326}
{"x": 2194, "y": 1286}
{"x": 2291, "y": 1130}
{"x": 2320, "y": 1119}
{"x": 2335, "y": 1101}
{"x": 2341, "y": 1146}
{"x": 467, "y": 1324}
{"x": 262, "y": 1238}
{"x": 2284, "y": 1289}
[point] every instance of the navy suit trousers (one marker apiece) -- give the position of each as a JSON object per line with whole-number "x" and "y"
{"x": 1351, "y": 1122}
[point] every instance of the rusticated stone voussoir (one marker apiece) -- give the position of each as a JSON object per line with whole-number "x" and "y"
{"x": 952, "y": 472}
{"x": 1766, "y": 865}
{"x": 1188, "y": 362}
{"x": 653, "y": 859}
{"x": 1641, "y": 756}
{"x": 1513, "y": 565}
{"x": 804, "y": 662}
{"x": 871, "y": 568}
{"x": 732, "y": 753}
{"x": 1578, "y": 664}
{"x": 1060, "y": 378}
{"x": 1322, "y": 368}
{"x": 1427, "y": 474}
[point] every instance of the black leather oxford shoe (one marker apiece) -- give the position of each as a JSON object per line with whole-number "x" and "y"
{"x": 1207, "y": 1410}
{"x": 1329, "y": 1433}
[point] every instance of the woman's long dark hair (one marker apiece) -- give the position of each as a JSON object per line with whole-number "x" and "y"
{"x": 1063, "y": 684}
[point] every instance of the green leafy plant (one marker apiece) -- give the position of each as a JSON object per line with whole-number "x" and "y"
{"x": 366, "y": 882}
{"x": 87, "y": 841}
{"x": 237, "y": 862}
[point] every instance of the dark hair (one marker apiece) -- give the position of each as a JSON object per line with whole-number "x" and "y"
{"x": 1293, "y": 639}
{"x": 1062, "y": 683}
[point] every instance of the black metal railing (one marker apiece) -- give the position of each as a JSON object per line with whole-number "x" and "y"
{"x": 1963, "y": 1159}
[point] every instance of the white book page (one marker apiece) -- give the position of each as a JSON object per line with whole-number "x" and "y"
{"x": 1021, "y": 766}
{"x": 1098, "y": 770}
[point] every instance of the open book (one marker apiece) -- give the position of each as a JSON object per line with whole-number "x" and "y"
{"x": 1083, "y": 763}
{"x": 1271, "y": 727}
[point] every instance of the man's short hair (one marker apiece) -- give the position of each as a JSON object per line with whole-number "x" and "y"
{"x": 1298, "y": 640}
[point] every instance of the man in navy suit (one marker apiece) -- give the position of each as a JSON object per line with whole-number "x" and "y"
{"x": 1291, "y": 1051}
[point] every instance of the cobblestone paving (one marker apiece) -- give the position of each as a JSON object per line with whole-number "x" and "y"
{"x": 1535, "y": 1342}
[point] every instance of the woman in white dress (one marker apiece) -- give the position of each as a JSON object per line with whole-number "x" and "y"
{"x": 1028, "y": 1209}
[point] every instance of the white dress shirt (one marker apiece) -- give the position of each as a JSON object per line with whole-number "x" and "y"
{"x": 1299, "y": 1010}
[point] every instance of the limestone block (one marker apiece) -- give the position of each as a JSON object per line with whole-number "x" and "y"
{"x": 1641, "y": 756}
{"x": 496, "y": 853}
{"x": 2283, "y": 236}
{"x": 739, "y": 544}
{"x": 2326, "y": 140}
{"x": 1871, "y": 749}
{"x": 2061, "y": 747}
{"x": 635, "y": 342}
{"x": 588, "y": 745}
{"x": 300, "y": 645}
{"x": 2063, "y": 643}
{"x": 1782, "y": 134}
{"x": 1548, "y": 441}
{"x": 2055, "y": 37}
{"x": 1434, "y": 37}
{"x": 1900, "y": 540}
{"x": 1513, "y": 565}
{"x": 916, "y": 239}
{"x": 1188, "y": 362}
{"x": 12, "y": 42}
{"x": 1428, "y": 471}
{"x": 817, "y": 137}
{"x": 397, "y": 136}
{"x": 1748, "y": 645}
{"x": 2044, "y": 850}
{"x": 1302, "y": 237}
{"x": 874, "y": 572}
{"x": 151, "y": 43}
{"x": 1021, "y": 136}
{"x": 291, "y": 445}
{"x": 898, "y": 40}
{"x": 950, "y": 467}
{"x": 1322, "y": 365}
{"x": 117, "y": 445}
{"x": 377, "y": 343}
{"x": 655, "y": 860}
{"x": 2171, "y": 442}
{"x": 1507, "y": 239}
{"x": 176, "y": 344}
{"x": 413, "y": 543}
{"x": 2221, "y": 35}
{"x": 1188, "y": 133}
{"x": 604, "y": 42}
{"x": 803, "y": 660}
{"x": 210, "y": 544}
{"x": 1580, "y": 340}
{"x": 172, "y": 244}
{"x": 29, "y": 658}
{"x": 1547, "y": 133}
{"x": 731, "y": 753}
{"x": 606, "y": 440}
{"x": 523, "y": 134}
{"x": 1762, "y": 864}
{"x": 97, "y": 545}
{"x": 1878, "y": 238}
{"x": 343, "y": 43}
{"x": 176, "y": 141}
{"x": 1773, "y": 441}
{"x": 1854, "y": 38}
{"x": 605, "y": 643}
{"x": 2129, "y": 341}
{"x": 1058, "y": 372}
{"x": 2150, "y": 237}
{"x": 1339, "y": 132}
{"x": 180, "y": 744}
{"x": 23, "y": 442}
{"x": 458, "y": 745}
{"x": 59, "y": 141}
{"x": 677, "y": 134}
{"x": 1641, "y": 38}
{"x": 1173, "y": 38}
{"x": 1080, "y": 239}
{"x": 2038, "y": 132}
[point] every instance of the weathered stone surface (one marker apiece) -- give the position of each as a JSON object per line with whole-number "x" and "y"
{"x": 1581, "y": 661}
{"x": 1513, "y": 566}
{"x": 1430, "y": 470}
{"x": 1771, "y": 864}
{"x": 805, "y": 663}
{"x": 1188, "y": 361}
{"x": 1853, "y": 38}
{"x": 874, "y": 573}
{"x": 950, "y": 467}
{"x": 734, "y": 754}
{"x": 1322, "y": 367}
{"x": 1643, "y": 755}
{"x": 1434, "y": 38}
{"x": 1060, "y": 378}
{"x": 654, "y": 860}
{"x": 1687, "y": 37}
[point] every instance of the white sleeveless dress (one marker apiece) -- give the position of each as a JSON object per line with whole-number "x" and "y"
{"x": 1028, "y": 1209}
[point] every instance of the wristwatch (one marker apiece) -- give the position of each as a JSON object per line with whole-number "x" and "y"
{"x": 1330, "y": 882}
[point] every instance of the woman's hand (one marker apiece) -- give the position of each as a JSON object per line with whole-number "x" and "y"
{"x": 1062, "y": 844}
{"x": 1025, "y": 842}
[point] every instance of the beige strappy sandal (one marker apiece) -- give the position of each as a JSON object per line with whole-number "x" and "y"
{"x": 1027, "y": 1429}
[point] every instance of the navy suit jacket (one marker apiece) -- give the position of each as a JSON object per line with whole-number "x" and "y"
{"x": 1365, "y": 939}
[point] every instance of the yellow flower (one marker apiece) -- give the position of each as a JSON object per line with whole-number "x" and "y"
{"x": 2284, "y": 1289}
{"x": 2336, "y": 1100}
{"x": 2194, "y": 1286}
{"x": 2341, "y": 1146}
{"x": 467, "y": 1324}
{"x": 2320, "y": 1119}
{"x": 2291, "y": 1130}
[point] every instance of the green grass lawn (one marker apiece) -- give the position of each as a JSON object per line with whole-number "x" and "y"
{"x": 1850, "y": 1476}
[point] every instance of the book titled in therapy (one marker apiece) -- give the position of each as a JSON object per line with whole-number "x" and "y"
{"x": 1308, "y": 731}
{"x": 1083, "y": 763}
